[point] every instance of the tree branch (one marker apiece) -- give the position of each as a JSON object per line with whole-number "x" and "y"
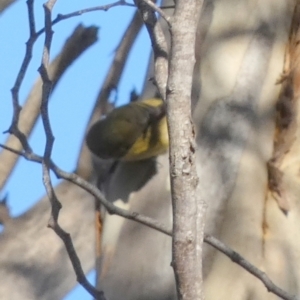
{"x": 159, "y": 10}
{"x": 159, "y": 45}
{"x": 46, "y": 161}
{"x": 77, "y": 13}
{"x": 14, "y": 129}
{"x": 80, "y": 40}
{"x": 154, "y": 224}
{"x": 188, "y": 209}
{"x": 241, "y": 261}
{"x": 93, "y": 190}
{"x": 70, "y": 52}
{"x": 134, "y": 216}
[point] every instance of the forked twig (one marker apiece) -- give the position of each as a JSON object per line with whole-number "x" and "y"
{"x": 61, "y": 17}
{"x": 46, "y": 159}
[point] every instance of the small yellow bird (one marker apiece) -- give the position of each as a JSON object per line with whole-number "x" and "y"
{"x": 131, "y": 132}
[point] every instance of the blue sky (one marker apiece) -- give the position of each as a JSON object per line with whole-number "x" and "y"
{"x": 73, "y": 99}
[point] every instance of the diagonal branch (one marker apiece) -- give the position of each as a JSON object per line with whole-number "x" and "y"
{"x": 241, "y": 261}
{"x": 156, "y": 225}
{"x": 61, "y": 17}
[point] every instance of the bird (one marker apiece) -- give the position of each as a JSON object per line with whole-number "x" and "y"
{"x": 132, "y": 132}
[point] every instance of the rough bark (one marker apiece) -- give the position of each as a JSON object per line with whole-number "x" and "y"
{"x": 188, "y": 207}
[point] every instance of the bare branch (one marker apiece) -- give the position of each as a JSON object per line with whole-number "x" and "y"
{"x": 188, "y": 208}
{"x": 159, "y": 10}
{"x": 81, "y": 39}
{"x": 241, "y": 261}
{"x": 14, "y": 129}
{"x": 93, "y": 190}
{"x": 159, "y": 46}
{"x": 66, "y": 238}
{"x": 61, "y": 17}
{"x": 77, "y": 13}
{"x": 55, "y": 204}
{"x": 154, "y": 224}
{"x": 47, "y": 83}
{"x": 62, "y": 60}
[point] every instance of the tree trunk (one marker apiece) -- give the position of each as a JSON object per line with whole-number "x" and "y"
{"x": 250, "y": 207}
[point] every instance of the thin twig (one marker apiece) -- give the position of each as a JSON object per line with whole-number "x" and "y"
{"x": 93, "y": 190}
{"x": 46, "y": 90}
{"x": 156, "y": 225}
{"x": 80, "y": 12}
{"x": 241, "y": 261}
{"x": 25, "y": 63}
{"x": 79, "y": 41}
{"x": 47, "y": 83}
{"x": 81, "y": 278}
{"x": 106, "y": 7}
{"x": 159, "y": 10}
{"x": 14, "y": 129}
{"x": 46, "y": 160}
{"x": 159, "y": 45}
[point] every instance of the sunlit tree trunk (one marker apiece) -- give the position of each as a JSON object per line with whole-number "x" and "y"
{"x": 247, "y": 163}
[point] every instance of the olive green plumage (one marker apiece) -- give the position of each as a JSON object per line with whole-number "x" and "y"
{"x": 131, "y": 132}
